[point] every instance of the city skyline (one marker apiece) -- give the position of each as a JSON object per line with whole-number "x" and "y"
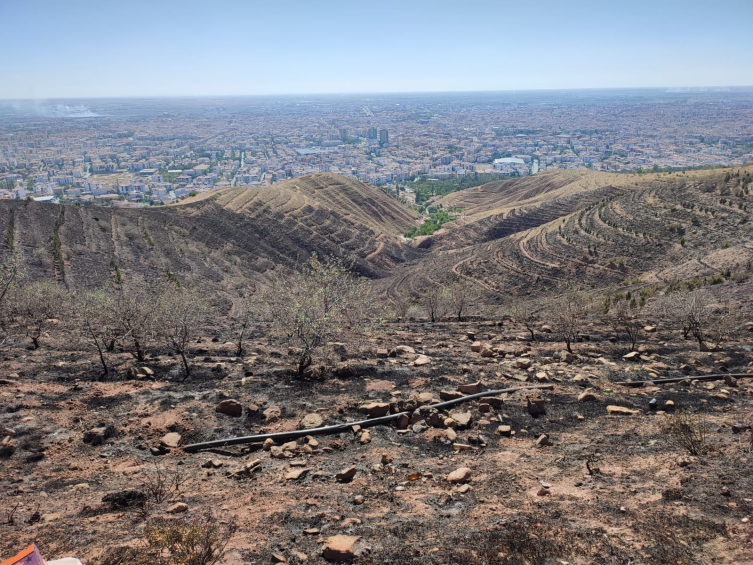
{"x": 91, "y": 50}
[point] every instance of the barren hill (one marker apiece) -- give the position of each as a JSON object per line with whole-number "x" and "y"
{"x": 221, "y": 239}
{"x": 535, "y": 234}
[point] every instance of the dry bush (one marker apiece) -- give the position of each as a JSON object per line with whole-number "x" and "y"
{"x": 462, "y": 296}
{"x": 524, "y": 313}
{"x": 321, "y": 303}
{"x": 161, "y": 484}
{"x": 625, "y": 318}
{"x": 10, "y": 277}
{"x": 688, "y": 431}
{"x": 181, "y": 314}
{"x": 200, "y": 541}
{"x": 36, "y": 304}
{"x": 135, "y": 316}
{"x": 434, "y": 302}
{"x": 94, "y": 311}
{"x": 569, "y": 313}
{"x": 700, "y": 316}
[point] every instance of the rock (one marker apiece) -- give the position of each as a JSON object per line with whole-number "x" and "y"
{"x": 632, "y": 356}
{"x": 586, "y": 397}
{"x": 450, "y": 395}
{"x": 484, "y": 408}
{"x": 536, "y": 406}
{"x": 420, "y": 427}
{"x": 341, "y": 548}
{"x": 310, "y": 421}
{"x": 365, "y": 437}
{"x": 462, "y": 420}
{"x": 476, "y": 347}
{"x": 472, "y": 388}
{"x": 402, "y": 422}
{"x": 524, "y": 364}
{"x": 347, "y": 474}
{"x": 382, "y": 353}
{"x": 230, "y": 407}
{"x": 740, "y": 428}
{"x": 730, "y": 381}
{"x": 486, "y": 352}
{"x": 435, "y": 419}
{"x": 459, "y": 476}
{"x": 272, "y": 414}
{"x": 296, "y": 474}
{"x": 543, "y": 492}
{"x": 421, "y": 360}
{"x": 124, "y": 498}
{"x": 544, "y": 441}
{"x": 268, "y": 444}
{"x": 252, "y": 410}
{"x": 470, "y": 336}
{"x": 171, "y": 440}
{"x": 376, "y": 409}
{"x": 299, "y": 555}
{"x": 546, "y": 329}
{"x": 669, "y": 406}
{"x": 212, "y": 464}
{"x": 277, "y": 558}
{"x": 649, "y": 329}
{"x": 564, "y": 356}
{"x": 504, "y": 430}
{"x": 177, "y": 508}
{"x": 621, "y": 410}
{"x": 98, "y": 436}
{"x": 450, "y": 434}
{"x": 403, "y": 350}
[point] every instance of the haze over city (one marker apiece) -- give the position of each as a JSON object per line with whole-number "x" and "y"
{"x": 86, "y": 48}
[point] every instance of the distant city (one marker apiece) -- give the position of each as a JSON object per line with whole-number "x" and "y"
{"x": 142, "y": 152}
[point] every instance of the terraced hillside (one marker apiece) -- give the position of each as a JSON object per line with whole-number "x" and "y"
{"x": 227, "y": 239}
{"x": 594, "y": 228}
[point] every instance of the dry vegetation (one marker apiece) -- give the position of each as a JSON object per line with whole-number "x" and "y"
{"x": 119, "y": 349}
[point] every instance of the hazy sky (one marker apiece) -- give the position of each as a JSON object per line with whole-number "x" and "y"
{"x": 79, "y": 48}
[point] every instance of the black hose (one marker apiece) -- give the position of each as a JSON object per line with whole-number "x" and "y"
{"x": 339, "y": 428}
{"x": 681, "y": 379}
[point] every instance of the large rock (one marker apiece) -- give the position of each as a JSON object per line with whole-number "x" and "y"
{"x": 450, "y": 394}
{"x": 346, "y": 474}
{"x": 462, "y": 419}
{"x": 476, "y": 347}
{"x": 310, "y": 421}
{"x": 421, "y": 360}
{"x": 341, "y": 548}
{"x": 230, "y": 407}
{"x": 458, "y": 476}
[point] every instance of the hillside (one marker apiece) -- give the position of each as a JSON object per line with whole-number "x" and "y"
{"x": 225, "y": 239}
{"x": 537, "y": 234}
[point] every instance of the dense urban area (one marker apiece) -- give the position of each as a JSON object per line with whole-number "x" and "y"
{"x": 140, "y": 152}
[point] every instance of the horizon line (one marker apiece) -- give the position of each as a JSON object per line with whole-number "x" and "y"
{"x": 386, "y": 92}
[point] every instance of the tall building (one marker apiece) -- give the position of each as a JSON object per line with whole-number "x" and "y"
{"x": 384, "y": 136}
{"x": 344, "y": 134}
{"x": 372, "y": 133}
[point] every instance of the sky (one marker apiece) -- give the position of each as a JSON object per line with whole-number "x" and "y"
{"x": 131, "y": 48}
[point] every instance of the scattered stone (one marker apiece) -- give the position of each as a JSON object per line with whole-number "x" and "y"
{"x": 450, "y": 395}
{"x": 277, "y": 558}
{"x": 296, "y": 474}
{"x": 376, "y": 409}
{"x": 310, "y": 421}
{"x": 171, "y": 440}
{"x": 421, "y": 360}
{"x": 669, "y": 406}
{"x": 536, "y": 406}
{"x": 486, "y": 352}
{"x": 347, "y": 474}
{"x": 299, "y": 555}
{"x": 450, "y": 434}
{"x": 212, "y": 464}
{"x": 476, "y": 347}
{"x": 649, "y": 329}
{"x": 461, "y": 475}
{"x": 382, "y": 353}
{"x": 177, "y": 508}
{"x": 505, "y": 431}
{"x": 341, "y": 548}
{"x": 730, "y": 381}
{"x": 484, "y": 408}
{"x": 632, "y": 356}
{"x": 462, "y": 420}
{"x": 230, "y": 407}
{"x": 546, "y": 329}
{"x": 621, "y": 410}
{"x": 272, "y": 414}
{"x": 473, "y": 388}
{"x": 98, "y": 436}
{"x": 543, "y": 492}
{"x": 544, "y": 441}
{"x": 586, "y": 397}
{"x": 462, "y": 489}
{"x": 524, "y": 364}
{"x": 493, "y": 401}
{"x": 365, "y": 437}
{"x": 402, "y": 422}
